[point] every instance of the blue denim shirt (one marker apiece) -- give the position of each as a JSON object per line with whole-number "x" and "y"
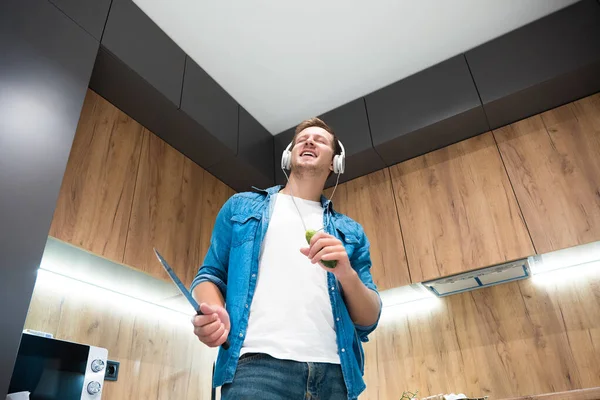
{"x": 231, "y": 263}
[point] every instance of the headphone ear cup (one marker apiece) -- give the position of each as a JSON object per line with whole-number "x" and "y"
{"x": 339, "y": 164}
{"x": 286, "y": 159}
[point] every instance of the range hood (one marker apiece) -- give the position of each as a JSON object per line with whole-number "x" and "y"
{"x": 489, "y": 276}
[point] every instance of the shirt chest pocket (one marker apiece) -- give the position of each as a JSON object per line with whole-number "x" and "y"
{"x": 349, "y": 240}
{"x": 243, "y": 228}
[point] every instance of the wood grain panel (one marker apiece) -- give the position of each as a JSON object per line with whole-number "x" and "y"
{"x": 95, "y": 198}
{"x": 553, "y": 160}
{"x": 159, "y": 356}
{"x": 216, "y": 194}
{"x": 166, "y": 211}
{"x": 516, "y": 339}
{"x": 369, "y": 200}
{"x": 458, "y": 211}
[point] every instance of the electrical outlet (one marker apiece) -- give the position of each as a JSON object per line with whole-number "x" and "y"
{"x": 112, "y": 371}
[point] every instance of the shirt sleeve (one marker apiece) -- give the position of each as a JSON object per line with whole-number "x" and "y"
{"x": 361, "y": 262}
{"x": 216, "y": 262}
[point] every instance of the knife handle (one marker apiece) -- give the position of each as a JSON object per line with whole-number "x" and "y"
{"x": 225, "y": 345}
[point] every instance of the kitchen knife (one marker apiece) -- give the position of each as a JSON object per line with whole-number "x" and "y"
{"x": 186, "y": 293}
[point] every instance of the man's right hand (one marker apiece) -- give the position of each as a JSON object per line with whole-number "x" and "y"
{"x": 213, "y": 327}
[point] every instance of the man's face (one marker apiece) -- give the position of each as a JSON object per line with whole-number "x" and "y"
{"x": 313, "y": 151}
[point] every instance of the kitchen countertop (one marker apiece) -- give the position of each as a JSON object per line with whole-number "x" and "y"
{"x": 580, "y": 394}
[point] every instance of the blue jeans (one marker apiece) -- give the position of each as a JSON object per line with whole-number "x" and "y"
{"x": 260, "y": 376}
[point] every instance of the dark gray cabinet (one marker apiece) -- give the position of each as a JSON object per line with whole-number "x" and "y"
{"x": 253, "y": 165}
{"x": 544, "y": 64}
{"x": 89, "y": 14}
{"x": 425, "y": 111}
{"x": 123, "y": 87}
{"x": 137, "y": 41}
{"x": 256, "y": 145}
{"x": 45, "y": 65}
{"x": 210, "y": 105}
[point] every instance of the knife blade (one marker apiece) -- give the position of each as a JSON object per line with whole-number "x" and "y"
{"x": 186, "y": 293}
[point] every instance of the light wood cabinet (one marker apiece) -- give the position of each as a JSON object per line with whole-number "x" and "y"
{"x": 457, "y": 210}
{"x": 553, "y": 160}
{"x": 166, "y": 211}
{"x": 96, "y": 195}
{"x": 126, "y": 191}
{"x": 369, "y": 200}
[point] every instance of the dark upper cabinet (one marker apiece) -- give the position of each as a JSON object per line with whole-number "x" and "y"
{"x": 256, "y": 145}
{"x": 280, "y": 142}
{"x": 89, "y": 14}
{"x": 120, "y": 85}
{"x": 351, "y": 126}
{"x": 426, "y": 111}
{"x": 136, "y": 40}
{"x": 45, "y": 65}
{"x": 542, "y": 65}
{"x": 210, "y": 105}
{"x": 253, "y": 165}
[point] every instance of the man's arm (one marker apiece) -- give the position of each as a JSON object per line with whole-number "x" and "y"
{"x": 363, "y": 303}
{"x": 209, "y": 287}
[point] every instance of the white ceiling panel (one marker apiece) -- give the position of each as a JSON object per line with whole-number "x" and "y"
{"x": 284, "y": 61}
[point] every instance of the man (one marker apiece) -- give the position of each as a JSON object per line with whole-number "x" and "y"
{"x": 295, "y": 326}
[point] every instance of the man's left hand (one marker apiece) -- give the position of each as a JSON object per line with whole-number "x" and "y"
{"x": 324, "y": 246}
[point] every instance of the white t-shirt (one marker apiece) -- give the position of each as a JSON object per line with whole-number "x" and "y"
{"x": 290, "y": 315}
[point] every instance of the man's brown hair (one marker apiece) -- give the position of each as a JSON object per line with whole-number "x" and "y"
{"x": 320, "y": 124}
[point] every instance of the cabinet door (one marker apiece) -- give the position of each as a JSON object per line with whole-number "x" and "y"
{"x": 166, "y": 211}
{"x": 137, "y": 41}
{"x": 95, "y": 198}
{"x": 553, "y": 160}
{"x": 458, "y": 211}
{"x": 89, "y": 14}
{"x": 369, "y": 200}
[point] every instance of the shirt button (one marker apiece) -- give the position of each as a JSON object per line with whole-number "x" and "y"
{"x": 332, "y": 288}
{"x": 337, "y": 319}
{"x": 241, "y": 334}
{"x": 246, "y": 305}
{"x": 254, "y": 275}
{"x": 343, "y": 350}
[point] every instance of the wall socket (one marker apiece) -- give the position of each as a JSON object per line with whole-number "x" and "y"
{"x": 112, "y": 370}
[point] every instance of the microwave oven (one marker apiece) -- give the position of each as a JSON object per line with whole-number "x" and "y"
{"x": 52, "y": 369}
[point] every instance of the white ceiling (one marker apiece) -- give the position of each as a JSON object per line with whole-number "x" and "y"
{"x": 285, "y": 61}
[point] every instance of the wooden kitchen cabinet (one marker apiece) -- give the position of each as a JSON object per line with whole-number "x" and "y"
{"x": 457, "y": 210}
{"x": 95, "y": 199}
{"x": 369, "y": 200}
{"x": 553, "y": 161}
{"x": 166, "y": 211}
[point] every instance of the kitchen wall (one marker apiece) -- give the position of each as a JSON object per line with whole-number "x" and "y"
{"x": 159, "y": 356}
{"x": 535, "y": 336}
{"x": 527, "y": 188}
{"x": 124, "y": 191}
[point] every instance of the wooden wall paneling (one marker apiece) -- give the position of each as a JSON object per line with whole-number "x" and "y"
{"x": 458, "y": 211}
{"x": 159, "y": 355}
{"x": 166, "y": 211}
{"x": 369, "y": 200}
{"x": 520, "y": 338}
{"x": 553, "y": 160}
{"x": 216, "y": 194}
{"x": 95, "y": 198}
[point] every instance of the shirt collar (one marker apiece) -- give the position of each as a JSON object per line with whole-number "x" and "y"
{"x": 325, "y": 202}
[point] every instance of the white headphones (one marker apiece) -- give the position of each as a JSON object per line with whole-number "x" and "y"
{"x": 339, "y": 160}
